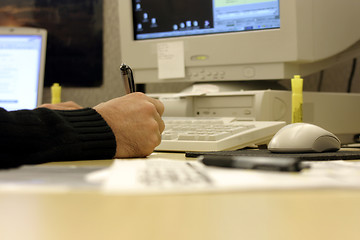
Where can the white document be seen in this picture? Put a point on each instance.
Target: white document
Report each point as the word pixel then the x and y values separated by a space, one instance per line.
pixel 156 176
pixel 164 176
pixel 171 61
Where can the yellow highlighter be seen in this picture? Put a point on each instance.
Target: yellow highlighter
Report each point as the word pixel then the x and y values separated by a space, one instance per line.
pixel 297 99
pixel 55 93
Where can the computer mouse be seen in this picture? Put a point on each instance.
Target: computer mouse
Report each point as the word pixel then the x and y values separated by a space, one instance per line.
pixel 302 138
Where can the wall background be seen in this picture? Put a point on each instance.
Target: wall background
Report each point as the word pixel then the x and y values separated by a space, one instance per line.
pixel 334 79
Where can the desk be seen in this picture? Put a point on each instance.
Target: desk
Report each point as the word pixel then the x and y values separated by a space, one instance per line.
pixel 87 215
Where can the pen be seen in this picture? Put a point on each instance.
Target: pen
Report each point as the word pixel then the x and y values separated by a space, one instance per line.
pixel 283 164
pixel 128 78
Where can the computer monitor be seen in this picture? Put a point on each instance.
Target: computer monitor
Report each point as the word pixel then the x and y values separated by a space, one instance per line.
pixel 22 62
pixel 167 41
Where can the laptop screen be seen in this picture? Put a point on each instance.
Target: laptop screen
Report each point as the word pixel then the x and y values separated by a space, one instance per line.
pixel 20 71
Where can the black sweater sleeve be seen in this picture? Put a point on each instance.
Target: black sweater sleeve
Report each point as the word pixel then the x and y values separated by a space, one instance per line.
pixel 43 135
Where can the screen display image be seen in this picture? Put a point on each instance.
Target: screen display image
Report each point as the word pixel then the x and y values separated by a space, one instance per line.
pixel 20 58
pixel 171 18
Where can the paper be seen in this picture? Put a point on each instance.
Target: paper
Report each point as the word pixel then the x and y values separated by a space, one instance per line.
pixel 164 176
pixel 156 175
pixel 48 178
pixel 171 63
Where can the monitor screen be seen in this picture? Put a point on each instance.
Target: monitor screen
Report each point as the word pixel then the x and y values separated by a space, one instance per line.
pixel 173 18
pixel 167 41
pixel 20 64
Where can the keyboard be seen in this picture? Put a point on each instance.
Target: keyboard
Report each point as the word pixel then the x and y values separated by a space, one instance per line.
pixel 183 134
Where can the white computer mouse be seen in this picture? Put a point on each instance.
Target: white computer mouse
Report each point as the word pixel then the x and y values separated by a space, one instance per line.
pixel 303 137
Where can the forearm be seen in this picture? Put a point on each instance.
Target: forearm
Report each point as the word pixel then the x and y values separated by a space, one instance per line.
pixel 44 135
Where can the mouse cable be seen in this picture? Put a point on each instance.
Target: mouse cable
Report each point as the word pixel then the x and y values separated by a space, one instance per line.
pixel 352 73
pixel 321 77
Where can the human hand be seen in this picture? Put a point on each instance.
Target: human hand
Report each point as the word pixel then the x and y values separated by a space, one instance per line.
pixel 70 105
pixel 136 122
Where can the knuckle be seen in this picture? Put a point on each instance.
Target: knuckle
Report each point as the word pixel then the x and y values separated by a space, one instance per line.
pixel 149 109
pixel 153 141
pixel 153 126
pixel 139 94
pixel 162 126
pixel 156 140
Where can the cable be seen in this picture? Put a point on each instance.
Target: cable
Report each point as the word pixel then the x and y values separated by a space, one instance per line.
pixel 321 77
pixel 352 73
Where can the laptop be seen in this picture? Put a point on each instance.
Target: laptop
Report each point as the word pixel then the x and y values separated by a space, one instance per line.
pixel 22 67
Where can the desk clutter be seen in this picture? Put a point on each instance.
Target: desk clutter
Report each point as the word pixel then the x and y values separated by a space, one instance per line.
pixel 173 174
pixel 168 176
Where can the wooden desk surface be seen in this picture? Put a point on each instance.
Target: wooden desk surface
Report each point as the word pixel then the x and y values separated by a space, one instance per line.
pixel 290 215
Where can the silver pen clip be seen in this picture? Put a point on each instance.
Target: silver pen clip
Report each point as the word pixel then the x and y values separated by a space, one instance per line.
pixel 128 78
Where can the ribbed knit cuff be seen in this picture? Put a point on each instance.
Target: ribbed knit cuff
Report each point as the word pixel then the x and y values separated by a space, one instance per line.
pixel 97 140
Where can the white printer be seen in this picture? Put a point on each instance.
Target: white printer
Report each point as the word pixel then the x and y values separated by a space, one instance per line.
pixel 337 112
